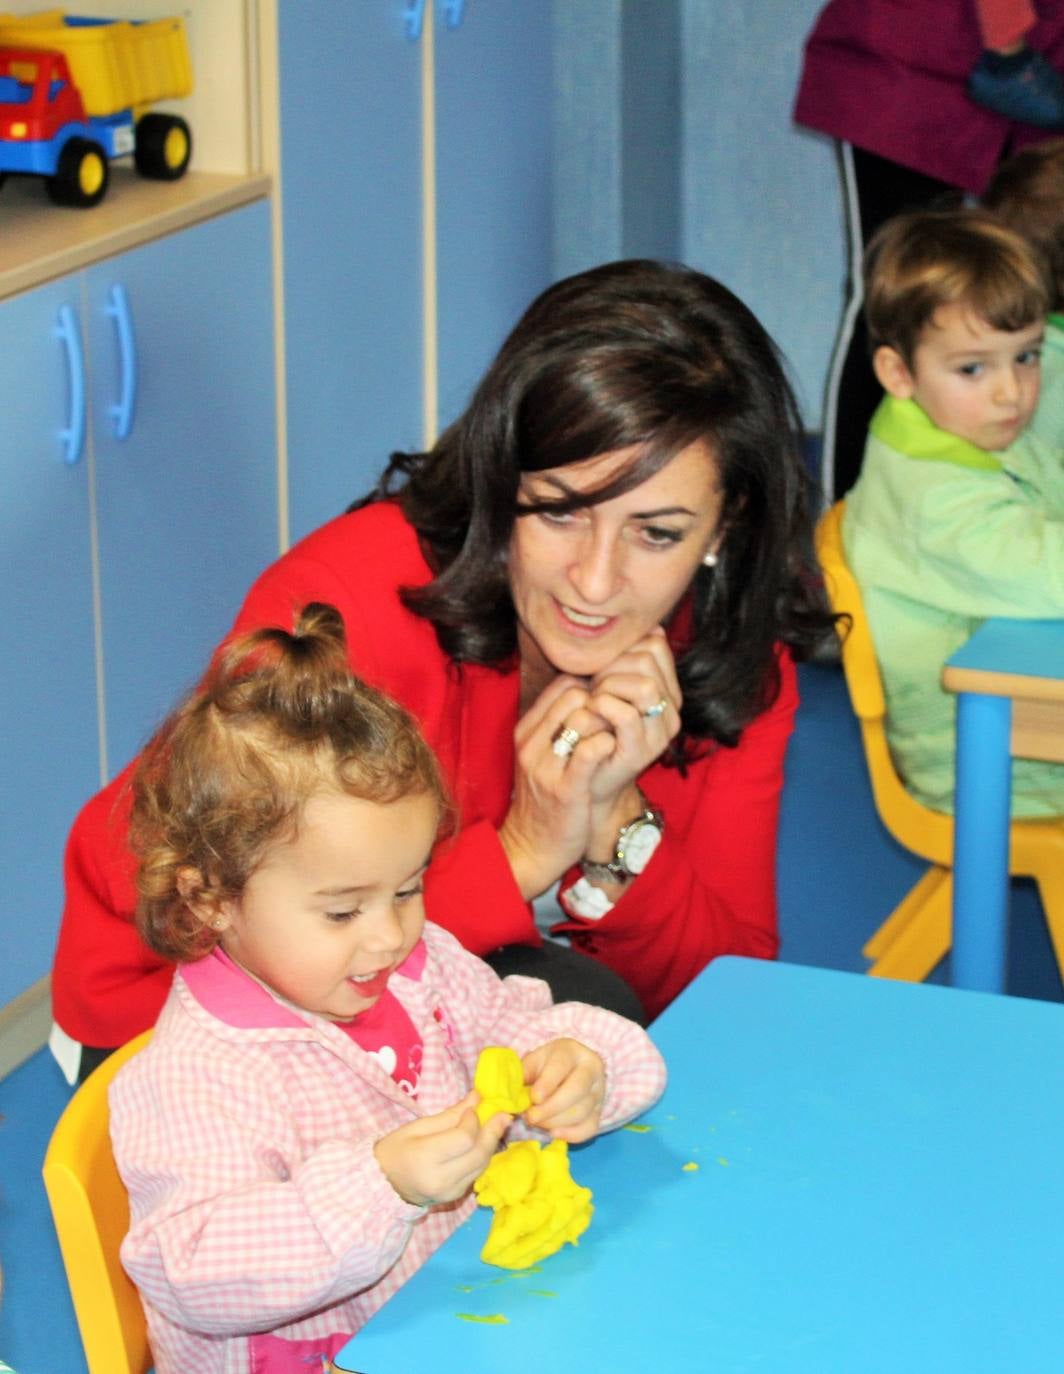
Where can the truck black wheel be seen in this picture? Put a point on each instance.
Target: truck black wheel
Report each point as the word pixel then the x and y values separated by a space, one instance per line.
pixel 81 175
pixel 163 146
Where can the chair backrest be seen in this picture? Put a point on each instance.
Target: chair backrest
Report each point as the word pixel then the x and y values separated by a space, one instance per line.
pixel 90 1209
pixel 927 833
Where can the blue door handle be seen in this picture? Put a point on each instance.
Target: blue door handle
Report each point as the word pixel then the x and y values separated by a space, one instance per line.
pixel 414 18
pixel 122 410
pixel 73 436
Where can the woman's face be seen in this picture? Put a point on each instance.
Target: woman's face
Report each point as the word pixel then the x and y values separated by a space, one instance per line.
pixel 588 584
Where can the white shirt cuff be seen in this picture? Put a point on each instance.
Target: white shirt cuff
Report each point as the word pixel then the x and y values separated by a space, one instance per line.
pixel 585 900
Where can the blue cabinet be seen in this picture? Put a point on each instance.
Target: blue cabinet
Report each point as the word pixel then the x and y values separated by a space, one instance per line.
pixel 387 320
pixel 187 503
pixel 350 83
pixel 493 82
pixel 49 756
pixel 118 572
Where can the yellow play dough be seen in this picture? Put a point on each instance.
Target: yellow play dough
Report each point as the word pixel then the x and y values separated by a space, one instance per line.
pixel 500 1080
pixel 538 1207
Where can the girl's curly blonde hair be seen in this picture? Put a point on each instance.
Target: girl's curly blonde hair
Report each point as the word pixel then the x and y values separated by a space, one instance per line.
pixel 278 718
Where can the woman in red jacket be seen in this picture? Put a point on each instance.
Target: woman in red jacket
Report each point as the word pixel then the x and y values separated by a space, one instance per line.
pixel 587 593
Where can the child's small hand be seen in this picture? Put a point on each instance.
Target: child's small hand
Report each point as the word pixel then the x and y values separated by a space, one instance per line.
pixel 567 1082
pixel 436 1158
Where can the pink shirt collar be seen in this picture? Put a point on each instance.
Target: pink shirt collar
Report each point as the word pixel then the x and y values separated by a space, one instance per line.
pixel 233 996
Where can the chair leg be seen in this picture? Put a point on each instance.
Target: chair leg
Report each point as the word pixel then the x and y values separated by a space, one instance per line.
pixel 915 950
pixel 907 910
pixel 1051 892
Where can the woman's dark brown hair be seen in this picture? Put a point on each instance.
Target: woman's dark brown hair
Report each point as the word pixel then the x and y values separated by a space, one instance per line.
pixel 654 357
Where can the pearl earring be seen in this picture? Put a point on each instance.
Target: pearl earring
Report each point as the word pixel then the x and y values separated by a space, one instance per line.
pixel 710 560
pixel 218 923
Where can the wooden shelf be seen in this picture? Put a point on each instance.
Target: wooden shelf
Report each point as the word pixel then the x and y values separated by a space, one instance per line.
pixel 40 241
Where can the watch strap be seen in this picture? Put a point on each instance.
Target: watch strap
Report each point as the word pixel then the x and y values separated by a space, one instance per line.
pixel 616 871
pixel 604 873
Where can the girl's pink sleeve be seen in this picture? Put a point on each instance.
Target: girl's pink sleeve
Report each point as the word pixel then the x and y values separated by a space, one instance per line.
pixel 224 1239
pixel 518 1012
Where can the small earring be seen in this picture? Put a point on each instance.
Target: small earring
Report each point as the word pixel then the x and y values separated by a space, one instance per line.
pixel 218 923
pixel 710 560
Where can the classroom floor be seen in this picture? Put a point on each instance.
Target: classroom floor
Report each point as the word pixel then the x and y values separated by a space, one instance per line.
pixel 840 876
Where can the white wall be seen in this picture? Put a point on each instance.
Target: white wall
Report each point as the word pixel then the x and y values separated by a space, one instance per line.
pixel 761 205
pixel 691 100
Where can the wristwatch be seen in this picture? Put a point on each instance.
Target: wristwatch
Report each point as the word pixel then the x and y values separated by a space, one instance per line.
pixel 636 842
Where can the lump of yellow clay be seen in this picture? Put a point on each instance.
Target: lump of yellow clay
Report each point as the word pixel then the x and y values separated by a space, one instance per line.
pixel 500 1080
pixel 538 1207
pixel 510 1176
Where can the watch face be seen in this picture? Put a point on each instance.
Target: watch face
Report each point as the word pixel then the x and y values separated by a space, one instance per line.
pixel 639 845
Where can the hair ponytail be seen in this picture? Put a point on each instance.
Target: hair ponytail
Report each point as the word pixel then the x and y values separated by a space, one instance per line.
pixel 278 717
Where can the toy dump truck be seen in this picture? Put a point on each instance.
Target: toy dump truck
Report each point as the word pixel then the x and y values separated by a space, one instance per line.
pixel 74 94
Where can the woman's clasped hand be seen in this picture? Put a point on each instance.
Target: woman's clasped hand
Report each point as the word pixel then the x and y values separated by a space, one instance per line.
pixel 580 748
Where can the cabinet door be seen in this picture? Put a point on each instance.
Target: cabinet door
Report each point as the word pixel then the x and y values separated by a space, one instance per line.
pixel 493 182
pixel 350 99
pixel 48 712
pixel 187 503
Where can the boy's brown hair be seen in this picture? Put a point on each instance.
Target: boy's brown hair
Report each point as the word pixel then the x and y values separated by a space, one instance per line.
pixel 1027 193
pixel 279 718
pixel 925 259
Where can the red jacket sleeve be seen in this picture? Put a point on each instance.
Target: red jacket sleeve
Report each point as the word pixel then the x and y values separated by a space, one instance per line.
pixel 107 985
pixel 710 888
pixel 471 891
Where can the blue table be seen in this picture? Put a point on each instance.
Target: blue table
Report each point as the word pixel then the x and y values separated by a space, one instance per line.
pixel 1010 680
pixel 846 1175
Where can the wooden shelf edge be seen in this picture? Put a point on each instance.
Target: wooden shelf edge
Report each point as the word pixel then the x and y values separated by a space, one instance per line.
pixel 40 241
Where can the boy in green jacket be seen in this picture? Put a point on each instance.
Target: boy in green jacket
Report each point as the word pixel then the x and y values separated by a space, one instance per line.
pixel 952 520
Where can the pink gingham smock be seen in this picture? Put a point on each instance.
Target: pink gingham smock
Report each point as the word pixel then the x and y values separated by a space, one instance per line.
pixel 244 1133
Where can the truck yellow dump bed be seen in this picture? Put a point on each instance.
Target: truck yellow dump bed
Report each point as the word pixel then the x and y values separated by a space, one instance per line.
pixel 114 64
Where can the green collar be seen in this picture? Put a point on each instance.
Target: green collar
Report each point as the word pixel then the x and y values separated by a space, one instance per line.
pixel 902 425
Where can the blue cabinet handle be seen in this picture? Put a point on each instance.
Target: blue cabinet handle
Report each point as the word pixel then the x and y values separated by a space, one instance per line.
pixel 122 411
pixel 414 18
pixel 452 12
pixel 73 437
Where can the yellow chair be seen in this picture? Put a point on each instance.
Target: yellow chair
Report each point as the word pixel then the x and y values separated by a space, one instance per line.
pixel 90 1209
pixel 918 933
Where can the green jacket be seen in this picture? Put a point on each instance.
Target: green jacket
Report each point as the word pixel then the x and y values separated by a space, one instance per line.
pixel 941 535
pixel 1047 424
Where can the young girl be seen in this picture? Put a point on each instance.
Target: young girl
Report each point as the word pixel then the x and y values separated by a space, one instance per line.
pixel 300 1134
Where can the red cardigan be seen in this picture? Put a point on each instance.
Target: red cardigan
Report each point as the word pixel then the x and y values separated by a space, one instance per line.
pixel 709 889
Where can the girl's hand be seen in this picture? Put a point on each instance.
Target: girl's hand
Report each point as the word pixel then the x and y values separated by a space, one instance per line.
pixel 567 1083
pixel 546 828
pixel 436 1158
pixel 643 679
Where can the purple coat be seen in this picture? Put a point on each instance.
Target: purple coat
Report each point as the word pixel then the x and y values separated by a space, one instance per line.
pixel 889 76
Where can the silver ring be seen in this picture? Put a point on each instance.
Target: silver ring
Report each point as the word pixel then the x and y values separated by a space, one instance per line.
pixel 658 709
pixel 565 741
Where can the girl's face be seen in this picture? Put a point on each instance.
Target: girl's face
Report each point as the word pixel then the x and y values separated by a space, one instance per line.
pixel 588 584
pixel 329 915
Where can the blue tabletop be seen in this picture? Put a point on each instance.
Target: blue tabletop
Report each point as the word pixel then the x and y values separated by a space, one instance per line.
pixel 1031 648
pixel 845 1174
